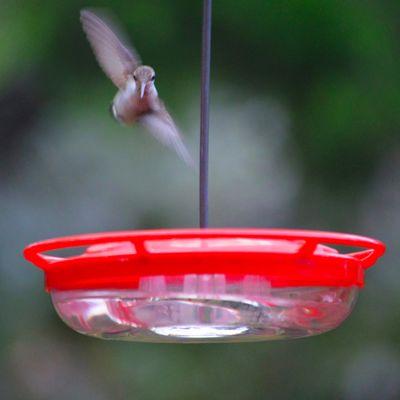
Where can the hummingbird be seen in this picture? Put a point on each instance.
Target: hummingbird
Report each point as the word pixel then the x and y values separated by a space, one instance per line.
pixel 137 98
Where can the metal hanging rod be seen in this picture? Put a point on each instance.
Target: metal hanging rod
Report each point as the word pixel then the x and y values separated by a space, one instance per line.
pixel 205 111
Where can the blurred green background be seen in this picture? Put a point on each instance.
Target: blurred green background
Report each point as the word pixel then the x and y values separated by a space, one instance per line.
pixel 304 134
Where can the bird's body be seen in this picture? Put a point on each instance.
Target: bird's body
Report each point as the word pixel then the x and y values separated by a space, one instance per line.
pixel 137 99
pixel 128 106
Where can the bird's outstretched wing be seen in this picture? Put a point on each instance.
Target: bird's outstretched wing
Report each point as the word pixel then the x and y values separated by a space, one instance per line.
pixel 115 56
pixel 161 125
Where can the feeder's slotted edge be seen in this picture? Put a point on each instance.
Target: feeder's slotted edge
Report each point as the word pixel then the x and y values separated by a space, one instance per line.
pixel 286 257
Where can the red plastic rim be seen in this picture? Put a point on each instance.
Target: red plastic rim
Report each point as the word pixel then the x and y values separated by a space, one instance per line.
pixel 286 258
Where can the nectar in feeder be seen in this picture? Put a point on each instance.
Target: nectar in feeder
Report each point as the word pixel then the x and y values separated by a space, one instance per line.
pixel 205 284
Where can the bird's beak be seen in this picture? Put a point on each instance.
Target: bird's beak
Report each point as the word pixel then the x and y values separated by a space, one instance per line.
pixel 142 88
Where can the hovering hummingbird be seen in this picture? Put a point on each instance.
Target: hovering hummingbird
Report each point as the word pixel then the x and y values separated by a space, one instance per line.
pixel 137 98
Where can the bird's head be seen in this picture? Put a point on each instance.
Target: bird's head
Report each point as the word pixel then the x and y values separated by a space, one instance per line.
pixel 144 77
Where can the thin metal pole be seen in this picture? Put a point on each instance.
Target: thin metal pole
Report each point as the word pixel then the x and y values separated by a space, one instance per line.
pixel 205 111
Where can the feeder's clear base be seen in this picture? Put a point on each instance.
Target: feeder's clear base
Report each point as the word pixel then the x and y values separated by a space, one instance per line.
pixel 205 308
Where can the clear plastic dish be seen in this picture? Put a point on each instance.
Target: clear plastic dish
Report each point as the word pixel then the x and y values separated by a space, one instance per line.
pixel 195 308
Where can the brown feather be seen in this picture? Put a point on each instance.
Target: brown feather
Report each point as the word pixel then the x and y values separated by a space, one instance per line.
pixel 161 125
pixel 115 56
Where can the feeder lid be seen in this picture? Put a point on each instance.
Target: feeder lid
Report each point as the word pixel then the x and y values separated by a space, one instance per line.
pixel 286 258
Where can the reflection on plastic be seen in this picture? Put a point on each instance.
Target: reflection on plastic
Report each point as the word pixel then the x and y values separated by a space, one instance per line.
pixel 208 307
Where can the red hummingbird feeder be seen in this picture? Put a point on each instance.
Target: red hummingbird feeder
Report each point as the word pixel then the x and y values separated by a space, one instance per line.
pixel 204 285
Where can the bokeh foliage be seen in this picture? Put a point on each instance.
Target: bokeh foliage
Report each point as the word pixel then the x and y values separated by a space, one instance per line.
pixel 332 66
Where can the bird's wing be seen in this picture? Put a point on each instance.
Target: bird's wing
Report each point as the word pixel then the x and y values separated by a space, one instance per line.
pixel 115 56
pixel 161 125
